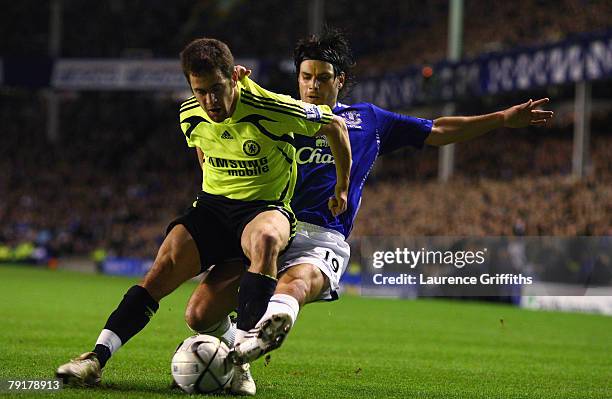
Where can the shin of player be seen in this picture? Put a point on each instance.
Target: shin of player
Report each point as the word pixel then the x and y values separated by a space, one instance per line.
pixel 262 241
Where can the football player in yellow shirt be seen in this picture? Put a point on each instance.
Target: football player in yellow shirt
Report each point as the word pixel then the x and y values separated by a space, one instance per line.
pixel 242 212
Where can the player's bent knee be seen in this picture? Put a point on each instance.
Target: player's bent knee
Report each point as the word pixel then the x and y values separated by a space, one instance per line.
pixel 196 318
pixel 267 241
pixel 271 238
pixel 200 315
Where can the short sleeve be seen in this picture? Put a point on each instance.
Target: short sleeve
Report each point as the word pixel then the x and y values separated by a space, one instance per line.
pixel 397 131
pixel 315 116
pixel 298 116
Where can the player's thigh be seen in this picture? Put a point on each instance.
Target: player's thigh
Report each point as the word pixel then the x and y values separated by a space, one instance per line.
pixel 305 282
pixel 177 261
pixel 321 248
pixel 215 296
pixel 269 230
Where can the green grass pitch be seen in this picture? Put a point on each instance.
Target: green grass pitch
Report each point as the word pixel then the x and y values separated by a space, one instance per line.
pixel 354 348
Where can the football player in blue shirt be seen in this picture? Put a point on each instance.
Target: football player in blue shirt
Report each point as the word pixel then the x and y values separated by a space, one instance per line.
pixel 311 268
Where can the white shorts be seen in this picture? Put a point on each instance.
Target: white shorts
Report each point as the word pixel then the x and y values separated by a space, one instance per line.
pixel 321 247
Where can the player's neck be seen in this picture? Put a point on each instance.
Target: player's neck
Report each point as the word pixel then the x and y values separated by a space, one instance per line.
pixel 234 102
pixel 332 104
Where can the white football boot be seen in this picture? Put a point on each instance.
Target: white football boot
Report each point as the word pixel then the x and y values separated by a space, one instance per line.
pixel 85 371
pixel 267 336
pixel 242 381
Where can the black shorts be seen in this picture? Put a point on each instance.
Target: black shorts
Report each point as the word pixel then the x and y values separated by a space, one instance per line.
pixel 216 224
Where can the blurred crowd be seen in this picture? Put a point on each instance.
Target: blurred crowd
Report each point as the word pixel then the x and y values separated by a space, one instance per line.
pixel 555 205
pixel 121 171
pixel 504 154
pixel 385 35
pixel 487 26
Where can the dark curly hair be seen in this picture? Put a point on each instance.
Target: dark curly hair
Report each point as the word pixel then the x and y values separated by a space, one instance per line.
pixel 331 46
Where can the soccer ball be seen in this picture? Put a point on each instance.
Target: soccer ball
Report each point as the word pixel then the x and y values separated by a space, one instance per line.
pixel 200 365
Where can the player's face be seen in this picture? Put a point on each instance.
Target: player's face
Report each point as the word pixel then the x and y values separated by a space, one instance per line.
pixel 215 93
pixel 318 84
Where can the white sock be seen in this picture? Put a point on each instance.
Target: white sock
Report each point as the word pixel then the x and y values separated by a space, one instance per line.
pixel 282 303
pixel 110 340
pixel 230 335
pixel 225 330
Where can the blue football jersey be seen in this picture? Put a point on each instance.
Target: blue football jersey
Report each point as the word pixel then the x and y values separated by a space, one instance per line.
pixel 373 131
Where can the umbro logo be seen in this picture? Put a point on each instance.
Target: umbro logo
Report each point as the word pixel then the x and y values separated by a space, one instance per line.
pixel 226 135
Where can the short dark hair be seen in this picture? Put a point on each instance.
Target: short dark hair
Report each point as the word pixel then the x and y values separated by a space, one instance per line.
pixel 331 46
pixel 203 56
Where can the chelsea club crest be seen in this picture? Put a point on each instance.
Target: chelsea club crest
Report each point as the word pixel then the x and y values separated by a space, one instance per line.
pixel 251 148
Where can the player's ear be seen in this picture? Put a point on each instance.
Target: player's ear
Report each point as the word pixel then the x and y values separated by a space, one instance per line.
pixel 341 79
pixel 234 77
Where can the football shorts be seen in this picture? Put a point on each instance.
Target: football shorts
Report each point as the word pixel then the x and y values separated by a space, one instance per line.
pixel 216 224
pixel 324 248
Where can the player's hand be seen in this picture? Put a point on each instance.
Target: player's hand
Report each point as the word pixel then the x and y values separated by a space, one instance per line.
pixel 242 71
pixel 337 203
pixel 526 114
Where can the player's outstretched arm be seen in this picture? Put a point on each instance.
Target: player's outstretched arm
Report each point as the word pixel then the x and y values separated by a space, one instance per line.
pixel 454 129
pixel 337 136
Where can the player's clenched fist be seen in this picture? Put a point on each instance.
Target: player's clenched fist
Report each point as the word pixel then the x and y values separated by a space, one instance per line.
pixel 337 203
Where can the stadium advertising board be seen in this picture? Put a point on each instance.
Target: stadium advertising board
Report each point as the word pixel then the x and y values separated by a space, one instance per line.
pixel 126 266
pixel 557 64
pixel 87 74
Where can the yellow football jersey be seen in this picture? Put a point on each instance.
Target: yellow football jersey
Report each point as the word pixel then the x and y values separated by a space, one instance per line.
pixel 251 155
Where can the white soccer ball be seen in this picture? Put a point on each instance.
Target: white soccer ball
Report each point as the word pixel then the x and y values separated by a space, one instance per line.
pixel 200 365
